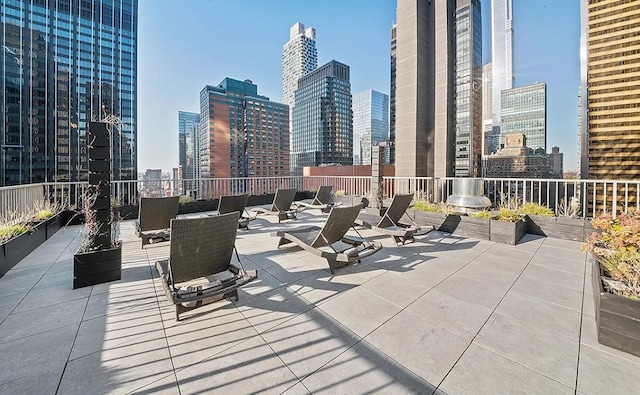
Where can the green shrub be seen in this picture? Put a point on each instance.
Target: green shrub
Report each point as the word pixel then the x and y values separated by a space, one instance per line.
pixel 482 214
pixel 340 192
pixel 506 215
pixel 536 209
pixel 185 199
pixel 43 215
pixel 8 232
pixel 426 206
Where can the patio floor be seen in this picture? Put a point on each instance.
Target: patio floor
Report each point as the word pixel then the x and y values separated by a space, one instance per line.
pixel 444 314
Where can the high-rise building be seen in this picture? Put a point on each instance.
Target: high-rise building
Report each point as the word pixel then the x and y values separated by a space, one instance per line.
pixel 491 140
pixel 468 89
pixel 583 119
pixel 391 150
pixel 299 57
pixel 370 123
pixel 517 160
pixel 501 54
pixel 242 134
pixel 63 64
pixel 188 125
pixel 425 88
pixel 322 118
pixel 524 110
pixel 613 89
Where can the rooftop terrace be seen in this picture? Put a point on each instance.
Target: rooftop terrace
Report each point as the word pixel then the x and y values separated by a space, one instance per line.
pixel 444 314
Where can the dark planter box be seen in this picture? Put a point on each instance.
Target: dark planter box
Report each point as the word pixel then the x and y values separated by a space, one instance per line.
pixel 376 211
pixel 101 203
pixel 478 228
pixel 304 195
pixel 97 178
pixel 19 247
pixel 97 267
pixel 617 317
pixel 351 200
pixel 198 206
pixel 99 166
pixel 72 218
pixel 437 220
pixel 53 224
pixel 128 212
pixel 98 134
pixel 259 200
pixel 100 153
pixel 556 227
pixel 507 232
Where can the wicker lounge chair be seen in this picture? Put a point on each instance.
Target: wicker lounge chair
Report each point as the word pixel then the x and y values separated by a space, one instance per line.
pixel 330 242
pixel 390 224
pixel 154 218
pixel 281 205
pixel 199 266
pixel 322 200
pixel 231 203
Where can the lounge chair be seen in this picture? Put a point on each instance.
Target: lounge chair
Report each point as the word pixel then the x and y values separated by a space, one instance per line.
pixel 154 218
pixel 281 205
pixel 390 224
pixel 330 242
pixel 231 203
pixel 322 201
pixel 199 266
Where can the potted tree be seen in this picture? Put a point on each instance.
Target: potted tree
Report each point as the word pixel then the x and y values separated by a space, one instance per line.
pixel 616 279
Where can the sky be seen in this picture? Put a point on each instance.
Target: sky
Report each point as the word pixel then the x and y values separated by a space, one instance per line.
pixel 187 44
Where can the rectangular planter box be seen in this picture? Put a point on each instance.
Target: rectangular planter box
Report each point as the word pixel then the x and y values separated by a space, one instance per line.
pixel 478 228
pixel 101 203
pixel 617 317
pixel 198 206
pixel 437 220
pixel 99 166
pixel 19 247
pixel 304 195
pixel 258 200
pixel 556 227
pixel 97 178
pixel 52 225
pixel 507 232
pixel 97 267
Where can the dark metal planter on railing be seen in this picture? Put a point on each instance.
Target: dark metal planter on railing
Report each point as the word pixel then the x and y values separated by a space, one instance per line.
pixel 617 317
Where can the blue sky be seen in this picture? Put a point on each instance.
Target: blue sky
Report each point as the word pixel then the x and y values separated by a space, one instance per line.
pixel 187 44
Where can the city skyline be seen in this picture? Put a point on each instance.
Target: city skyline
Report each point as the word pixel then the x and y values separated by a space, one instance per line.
pixel 258 57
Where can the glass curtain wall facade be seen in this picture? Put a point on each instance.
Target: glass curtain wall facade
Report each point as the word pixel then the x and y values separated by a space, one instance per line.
pixel 501 53
pixel 468 89
pixel 370 123
pixel 322 119
pixel 188 123
pixel 524 110
pixel 63 64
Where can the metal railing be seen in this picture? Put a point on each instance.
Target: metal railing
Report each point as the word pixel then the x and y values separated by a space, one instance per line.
pixel 582 198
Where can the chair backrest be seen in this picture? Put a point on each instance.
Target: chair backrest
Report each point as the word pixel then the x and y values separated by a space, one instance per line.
pixel 157 213
pixel 323 196
pixel 399 205
pixel 283 199
pixel 231 203
pixel 202 246
pixel 338 223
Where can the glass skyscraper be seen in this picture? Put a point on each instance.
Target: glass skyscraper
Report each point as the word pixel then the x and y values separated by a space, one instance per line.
pixel 65 63
pixel 322 119
pixel 188 127
pixel 501 53
pixel 524 110
pixel 370 123
pixel 468 89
